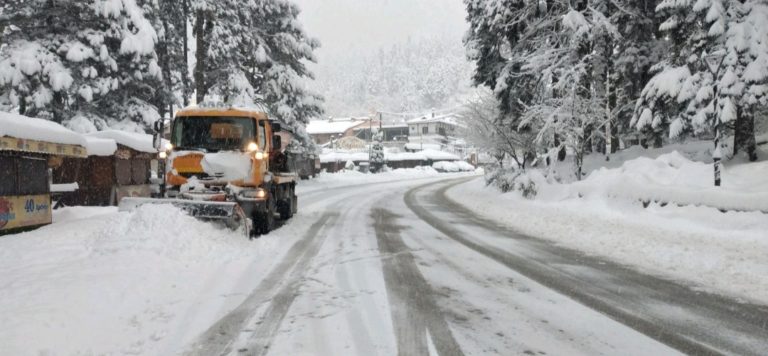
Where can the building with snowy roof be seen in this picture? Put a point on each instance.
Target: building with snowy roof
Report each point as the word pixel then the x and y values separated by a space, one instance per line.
pixel 28 147
pixel 322 131
pixel 119 164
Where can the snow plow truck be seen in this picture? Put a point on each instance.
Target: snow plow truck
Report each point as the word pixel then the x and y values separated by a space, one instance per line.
pixel 225 164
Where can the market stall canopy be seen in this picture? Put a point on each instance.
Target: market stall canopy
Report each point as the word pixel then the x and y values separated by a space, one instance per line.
pixel 137 141
pixel 26 134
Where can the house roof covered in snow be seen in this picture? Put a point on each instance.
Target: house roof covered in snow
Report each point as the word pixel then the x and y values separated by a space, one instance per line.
pixel 332 126
pixel 419 146
pixel 29 128
pixel 137 141
pixel 27 134
pixel 447 119
pixel 100 146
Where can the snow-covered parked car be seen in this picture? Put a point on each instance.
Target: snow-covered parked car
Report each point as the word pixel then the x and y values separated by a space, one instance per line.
pixel 453 166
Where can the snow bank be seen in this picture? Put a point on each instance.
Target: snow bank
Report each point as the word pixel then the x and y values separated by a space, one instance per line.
pixel 719 252
pixel 18 126
pixel 439 155
pixel 101 282
pixel 670 178
pixel 137 141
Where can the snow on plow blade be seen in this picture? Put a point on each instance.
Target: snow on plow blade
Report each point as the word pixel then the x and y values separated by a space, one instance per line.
pixel 198 209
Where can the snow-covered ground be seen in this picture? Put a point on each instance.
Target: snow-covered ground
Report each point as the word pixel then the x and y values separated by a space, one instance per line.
pixel 102 282
pixel 604 215
pixel 147 282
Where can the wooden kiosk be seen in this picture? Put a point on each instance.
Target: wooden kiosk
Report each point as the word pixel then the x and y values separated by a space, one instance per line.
pixel 28 147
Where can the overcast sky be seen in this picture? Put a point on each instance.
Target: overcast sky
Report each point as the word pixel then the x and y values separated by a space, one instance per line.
pixel 345 26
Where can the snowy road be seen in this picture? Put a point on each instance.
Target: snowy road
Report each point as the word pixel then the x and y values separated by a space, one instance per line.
pixel 366 268
pixel 399 268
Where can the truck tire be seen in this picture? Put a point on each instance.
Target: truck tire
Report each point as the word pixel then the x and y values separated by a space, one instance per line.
pixel 264 222
pixel 287 208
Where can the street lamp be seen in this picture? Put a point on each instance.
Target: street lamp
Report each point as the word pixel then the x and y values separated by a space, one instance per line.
pixel 714 63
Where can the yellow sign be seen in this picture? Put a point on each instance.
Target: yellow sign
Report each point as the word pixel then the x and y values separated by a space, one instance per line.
pixel 23 211
pixel 190 163
pixel 22 145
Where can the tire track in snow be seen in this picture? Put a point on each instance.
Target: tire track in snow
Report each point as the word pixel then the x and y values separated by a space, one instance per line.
pixel 414 310
pixel 693 322
pixel 268 324
pixel 218 339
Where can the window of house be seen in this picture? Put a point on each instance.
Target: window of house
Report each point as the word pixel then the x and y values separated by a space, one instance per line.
pixel 8 176
pixel 140 171
pixel 123 171
pixel 33 175
pixel 425 130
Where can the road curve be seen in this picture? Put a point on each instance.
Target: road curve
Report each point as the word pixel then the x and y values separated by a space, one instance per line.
pixel 397 268
pixel 691 321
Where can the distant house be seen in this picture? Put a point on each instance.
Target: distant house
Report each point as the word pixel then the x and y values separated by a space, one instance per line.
pixel 395 128
pixel 322 131
pixel 432 129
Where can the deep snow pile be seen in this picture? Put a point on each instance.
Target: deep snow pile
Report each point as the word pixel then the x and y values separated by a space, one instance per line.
pixel 102 282
pixel 604 215
pixel 670 178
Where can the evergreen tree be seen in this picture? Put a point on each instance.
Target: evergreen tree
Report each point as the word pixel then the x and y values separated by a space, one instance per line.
pixel 255 53
pixel 88 64
pixel 684 92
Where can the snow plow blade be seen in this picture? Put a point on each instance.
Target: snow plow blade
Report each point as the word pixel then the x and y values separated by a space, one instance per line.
pixel 198 209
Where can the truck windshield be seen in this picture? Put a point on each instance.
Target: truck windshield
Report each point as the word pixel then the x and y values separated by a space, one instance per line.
pixel 212 133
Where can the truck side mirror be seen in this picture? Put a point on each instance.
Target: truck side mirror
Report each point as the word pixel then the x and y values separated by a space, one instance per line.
pixel 277 143
pixel 159 125
pixel 157 141
pixel 276 127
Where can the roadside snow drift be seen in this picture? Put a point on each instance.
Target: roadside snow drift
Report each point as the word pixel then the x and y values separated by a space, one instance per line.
pixel 102 282
pixel 603 215
pixel 672 178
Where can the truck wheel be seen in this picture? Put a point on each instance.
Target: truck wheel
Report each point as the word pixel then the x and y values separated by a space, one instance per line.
pixel 287 207
pixel 264 222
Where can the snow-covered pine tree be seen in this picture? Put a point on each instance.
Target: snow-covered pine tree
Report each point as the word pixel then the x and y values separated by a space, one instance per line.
pixel 89 64
pixel 640 48
pixel 256 52
pixel 170 19
pixel 501 35
pixel 683 92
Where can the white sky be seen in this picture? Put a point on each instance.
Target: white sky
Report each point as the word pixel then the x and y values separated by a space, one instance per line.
pixel 345 26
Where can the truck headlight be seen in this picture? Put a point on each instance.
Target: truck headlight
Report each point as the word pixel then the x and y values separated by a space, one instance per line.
pixel 259 155
pixel 162 155
pixel 252 147
pixel 257 193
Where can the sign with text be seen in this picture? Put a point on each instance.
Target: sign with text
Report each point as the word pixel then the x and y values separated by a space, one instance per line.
pixel 24 211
